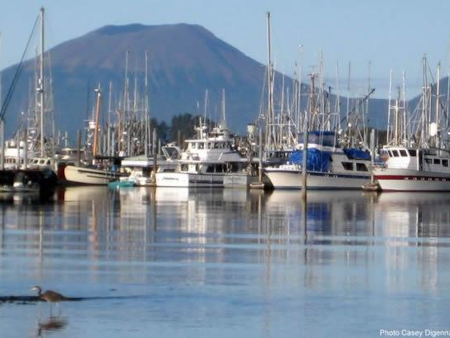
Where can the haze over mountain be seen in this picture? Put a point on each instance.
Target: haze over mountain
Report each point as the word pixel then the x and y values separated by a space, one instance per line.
pixel 184 61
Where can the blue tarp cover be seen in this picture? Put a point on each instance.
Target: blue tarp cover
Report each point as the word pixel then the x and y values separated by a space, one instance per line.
pixel 317 160
pixel 357 154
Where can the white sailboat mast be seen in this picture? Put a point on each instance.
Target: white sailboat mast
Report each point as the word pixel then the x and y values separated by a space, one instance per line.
pixel 97 121
pixel 406 132
pixel 448 88
pixel 41 85
pixel 147 109
pixel 109 152
pixel 424 101
pixel 348 94
pixel 338 100
pixel 438 77
pixel 269 118
pixel 388 131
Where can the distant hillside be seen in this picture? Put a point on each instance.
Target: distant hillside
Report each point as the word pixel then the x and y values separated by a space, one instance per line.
pixel 184 61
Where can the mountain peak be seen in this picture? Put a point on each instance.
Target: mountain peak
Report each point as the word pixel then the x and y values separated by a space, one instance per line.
pixel 183 61
pixel 110 30
pixel 121 29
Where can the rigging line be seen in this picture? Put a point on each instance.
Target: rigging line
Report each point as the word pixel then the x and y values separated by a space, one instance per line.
pixel 360 102
pixel 16 75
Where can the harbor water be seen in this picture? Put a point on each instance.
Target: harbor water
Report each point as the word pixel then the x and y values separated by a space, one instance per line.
pixel 171 262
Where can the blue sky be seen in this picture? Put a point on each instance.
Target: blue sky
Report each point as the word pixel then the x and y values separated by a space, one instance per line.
pixel 390 34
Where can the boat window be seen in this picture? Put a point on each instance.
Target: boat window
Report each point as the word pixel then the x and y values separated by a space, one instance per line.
pixel 361 167
pixel 428 160
pixel 445 163
pixel 210 169
pixel 390 153
pixel 437 161
pixel 184 167
pixel 403 153
pixel 347 165
pixel 412 152
pixel 200 146
pixel 395 152
pixel 193 145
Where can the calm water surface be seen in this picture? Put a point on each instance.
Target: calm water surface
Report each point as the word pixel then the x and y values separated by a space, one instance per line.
pixel 225 263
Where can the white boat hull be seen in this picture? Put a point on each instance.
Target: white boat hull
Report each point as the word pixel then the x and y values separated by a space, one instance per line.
pixel 411 180
pixel 292 179
pixel 91 176
pixel 178 179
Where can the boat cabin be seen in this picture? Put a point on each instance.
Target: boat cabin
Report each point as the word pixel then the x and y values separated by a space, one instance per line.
pixel 435 160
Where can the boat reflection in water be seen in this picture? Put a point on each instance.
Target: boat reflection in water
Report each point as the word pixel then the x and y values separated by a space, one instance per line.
pixel 420 221
pixel 250 260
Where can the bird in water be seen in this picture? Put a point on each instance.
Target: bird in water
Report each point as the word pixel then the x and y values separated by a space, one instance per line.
pixel 49 295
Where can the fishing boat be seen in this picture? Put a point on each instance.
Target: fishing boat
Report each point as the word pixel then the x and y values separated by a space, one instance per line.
pixel 210 160
pixel 100 172
pixel 141 168
pixel 416 158
pixel 88 175
pixel 328 166
pixel 412 169
pixel 27 181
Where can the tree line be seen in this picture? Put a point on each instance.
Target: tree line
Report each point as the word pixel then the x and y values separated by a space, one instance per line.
pixel 181 127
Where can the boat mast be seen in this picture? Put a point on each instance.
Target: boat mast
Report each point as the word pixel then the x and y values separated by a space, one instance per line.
pixel 366 115
pixel 348 97
pixel 406 132
pixel 41 85
pixel 424 100
pixel 97 119
pixel 388 131
pixel 438 76
pixel 206 108
pixel 300 48
pixel 269 118
pixel 224 119
pixel 108 133
pixel 146 110
pixel 448 89
pixel 338 100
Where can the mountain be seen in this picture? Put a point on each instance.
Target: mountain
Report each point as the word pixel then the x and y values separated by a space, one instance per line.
pixel 184 61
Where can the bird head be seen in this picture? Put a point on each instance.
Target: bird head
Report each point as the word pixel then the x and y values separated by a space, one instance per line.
pixel 36 288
